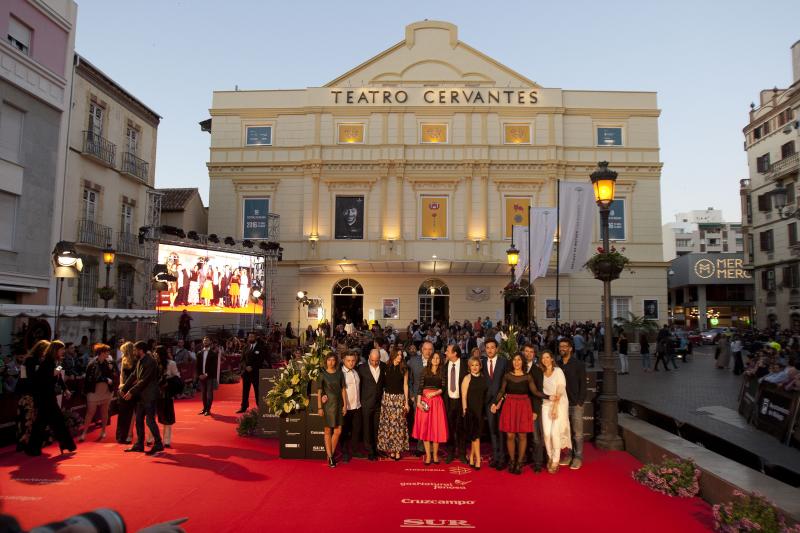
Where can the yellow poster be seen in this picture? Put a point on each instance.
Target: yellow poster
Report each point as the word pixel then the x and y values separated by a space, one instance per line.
pixel 516 213
pixel 434 217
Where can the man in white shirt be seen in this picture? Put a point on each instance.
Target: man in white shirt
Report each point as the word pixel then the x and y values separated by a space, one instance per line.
pixel 351 426
pixel 455 369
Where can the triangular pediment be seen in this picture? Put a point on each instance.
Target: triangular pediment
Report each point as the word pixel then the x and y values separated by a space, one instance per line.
pixel 431 54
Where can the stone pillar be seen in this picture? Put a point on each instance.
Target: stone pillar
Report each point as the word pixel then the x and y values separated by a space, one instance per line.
pixel 701 308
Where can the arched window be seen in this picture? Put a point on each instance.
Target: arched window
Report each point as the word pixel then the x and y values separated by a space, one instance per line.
pixel 434 301
pixel 348 302
pixel 347 287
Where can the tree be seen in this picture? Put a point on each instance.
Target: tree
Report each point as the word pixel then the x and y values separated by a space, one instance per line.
pixel 634 324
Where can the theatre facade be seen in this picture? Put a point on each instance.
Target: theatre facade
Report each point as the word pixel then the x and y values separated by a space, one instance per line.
pixel 398 183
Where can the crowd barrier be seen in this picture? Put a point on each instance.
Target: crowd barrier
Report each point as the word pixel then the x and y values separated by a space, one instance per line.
pixel 771 409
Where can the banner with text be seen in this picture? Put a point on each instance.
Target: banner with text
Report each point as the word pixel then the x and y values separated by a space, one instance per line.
pixel 577 217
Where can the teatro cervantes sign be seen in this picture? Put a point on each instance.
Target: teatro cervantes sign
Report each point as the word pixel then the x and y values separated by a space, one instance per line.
pixel 433 96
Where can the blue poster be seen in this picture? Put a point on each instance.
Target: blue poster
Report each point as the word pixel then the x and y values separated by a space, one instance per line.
pixel 616 221
pixel 259 135
pixel 256 211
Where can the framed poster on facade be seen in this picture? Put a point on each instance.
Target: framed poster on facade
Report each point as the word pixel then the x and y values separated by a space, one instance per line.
pixel 349 217
pixel 616 220
pixel 315 310
pixel 391 308
pixel 433 217
pixel 516 213
pixel 650 309
pixel 552 309
pixel 255 213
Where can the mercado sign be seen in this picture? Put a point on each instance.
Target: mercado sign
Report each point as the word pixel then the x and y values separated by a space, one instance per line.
pixel 726 268
pixel 427 96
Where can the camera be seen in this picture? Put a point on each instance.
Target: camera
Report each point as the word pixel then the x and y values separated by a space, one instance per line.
pixel 99 520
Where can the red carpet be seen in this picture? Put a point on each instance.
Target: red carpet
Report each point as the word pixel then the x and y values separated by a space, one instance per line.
pixel 223 482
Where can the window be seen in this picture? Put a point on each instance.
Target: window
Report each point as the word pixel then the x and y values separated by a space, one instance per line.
pixel 609 136
pixel 762 163
pixel 757 133
pixel 620 307
pixel 767 241
pixel 765 202
pixel 125 286
pixel 132 140
pixel 787 149
pixel 433 133
pixel 683 242
pixel 786 116
pixel 8 219
pixel 792 229
pixel 126 222
pixel 96 112
pixel 19 36
pixel 790 192
pixel 791 276
pixel 768 279
pixel 350 133
pixel 748 204
pixel 11 120
pixel 517 134
pixel 89 204
pixel 713 242
pixel 258 135
pixel 750 248
pixel 87 284
pixel 765 127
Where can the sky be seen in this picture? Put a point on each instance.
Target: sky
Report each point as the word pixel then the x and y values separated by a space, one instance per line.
pixel 706 59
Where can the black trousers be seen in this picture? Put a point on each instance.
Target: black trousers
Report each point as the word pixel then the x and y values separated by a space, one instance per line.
pixel 536 450
pixel 351 431
pixel 48 415
pixel 455 425
pixel 146 413
pixel 370 418
pixel 248 379
pixel 125 412
pixel 661 356
pixel 207 393
pixel 738 364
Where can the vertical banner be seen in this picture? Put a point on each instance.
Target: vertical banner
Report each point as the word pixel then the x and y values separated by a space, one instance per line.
pixel 433 210
pixel 254 223
pixel 516 214
pixel 616 220
pixel 522 242
pixel 577 218
pixel 543 231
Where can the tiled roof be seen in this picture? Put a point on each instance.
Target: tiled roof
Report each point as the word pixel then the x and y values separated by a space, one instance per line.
pixel 176 199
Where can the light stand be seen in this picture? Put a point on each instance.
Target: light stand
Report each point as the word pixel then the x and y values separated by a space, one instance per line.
pixel 108 259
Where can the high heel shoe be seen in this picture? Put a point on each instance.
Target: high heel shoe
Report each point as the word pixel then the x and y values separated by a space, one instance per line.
pixel 102 435
pixel 331 462
pixel 69 449
pixel 512 465
pixel 82 437
pixel 426 462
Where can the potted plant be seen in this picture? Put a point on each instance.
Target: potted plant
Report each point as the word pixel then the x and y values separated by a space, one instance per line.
pixel 673 477
pixel 290 392
pixel 750 513
pixel 512 292
pixel 607 265
pixel 106 293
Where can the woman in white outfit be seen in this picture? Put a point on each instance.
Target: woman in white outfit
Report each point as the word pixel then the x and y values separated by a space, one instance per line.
pixel 244 288
pixel 555 411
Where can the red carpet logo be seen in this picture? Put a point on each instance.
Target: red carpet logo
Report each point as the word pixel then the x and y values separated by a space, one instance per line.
pixel 460 470
pixel 437 523
pixel 437 485
pixel 438 502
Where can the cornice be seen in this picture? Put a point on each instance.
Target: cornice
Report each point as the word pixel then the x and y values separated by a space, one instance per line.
pixel 342 111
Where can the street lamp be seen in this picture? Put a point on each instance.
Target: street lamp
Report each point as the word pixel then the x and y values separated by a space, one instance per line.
pixel 512 257
pixel 780 197
pixel 604 182
pixel 108 259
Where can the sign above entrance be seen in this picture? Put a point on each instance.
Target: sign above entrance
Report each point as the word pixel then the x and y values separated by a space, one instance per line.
pixel 434 96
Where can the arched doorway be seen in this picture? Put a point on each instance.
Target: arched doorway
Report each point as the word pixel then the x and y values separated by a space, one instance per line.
pixel 521 305
pixel 348 302
pixel 434 301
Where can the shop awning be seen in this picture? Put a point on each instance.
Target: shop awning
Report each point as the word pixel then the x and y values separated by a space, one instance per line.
pixel 69 311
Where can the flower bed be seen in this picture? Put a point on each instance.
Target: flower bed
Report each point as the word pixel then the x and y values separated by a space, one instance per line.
pixel 673 477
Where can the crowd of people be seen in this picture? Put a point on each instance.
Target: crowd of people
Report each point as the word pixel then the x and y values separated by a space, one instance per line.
pixel 769 356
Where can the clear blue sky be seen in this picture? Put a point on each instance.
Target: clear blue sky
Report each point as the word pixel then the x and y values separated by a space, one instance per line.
pixel 707 59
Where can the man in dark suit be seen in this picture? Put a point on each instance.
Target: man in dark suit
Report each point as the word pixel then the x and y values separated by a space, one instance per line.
pixel 252 359
pixel 455 368
pixel 494 368
pixel 373 376
pixel 536 445
pixel 142 387
pixel 207 363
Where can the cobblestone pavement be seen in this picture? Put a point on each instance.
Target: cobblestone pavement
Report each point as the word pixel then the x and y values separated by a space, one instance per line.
pixel 701 395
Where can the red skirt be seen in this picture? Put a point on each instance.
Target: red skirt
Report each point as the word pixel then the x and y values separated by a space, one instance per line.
pixel 430 425
pixel 517 415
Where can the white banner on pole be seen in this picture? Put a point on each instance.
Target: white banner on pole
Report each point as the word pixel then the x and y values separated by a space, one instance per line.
pixel 520 240
pixel 543 230
pixel 577 220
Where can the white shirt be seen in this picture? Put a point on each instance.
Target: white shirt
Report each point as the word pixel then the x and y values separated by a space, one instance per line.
pixel 451 393
pixel 491 363
pixel 376 372
pixel 205 357
pixel 384 356
pixel 352 383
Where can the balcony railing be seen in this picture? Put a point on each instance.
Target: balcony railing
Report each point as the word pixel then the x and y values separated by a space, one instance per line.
pixel 93 234
pixel 99 148
pixel 790 163
pixel 128 244
pixel 134 166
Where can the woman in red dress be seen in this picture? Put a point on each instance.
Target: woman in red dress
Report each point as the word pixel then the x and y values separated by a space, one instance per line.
pixel 516 419
pixel 430 421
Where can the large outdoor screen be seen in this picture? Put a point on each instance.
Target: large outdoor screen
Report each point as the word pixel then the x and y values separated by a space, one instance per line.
pixel 209 281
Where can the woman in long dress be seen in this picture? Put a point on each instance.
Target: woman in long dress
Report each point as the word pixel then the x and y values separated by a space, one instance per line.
pixel 233 290
pixel 125 407
pixel 26 412
pixel 48 412
pixel 194 286
pixel 392 426
pixel 724 359
pixel 430 420
pixel 244 288
pixel 555 411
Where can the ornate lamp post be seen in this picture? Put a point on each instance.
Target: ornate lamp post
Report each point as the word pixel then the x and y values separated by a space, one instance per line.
pixel 512 256
pixel 302 300
pixel 604 182
pixel 107 291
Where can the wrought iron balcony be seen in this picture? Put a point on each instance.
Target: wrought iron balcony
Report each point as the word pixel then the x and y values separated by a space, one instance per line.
pixel 128 244
pixel 790 163
pixel 134 166
pixel 93 234
pixel 101 149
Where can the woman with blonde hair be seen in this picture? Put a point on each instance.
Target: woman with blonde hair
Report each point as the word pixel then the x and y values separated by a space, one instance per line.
pixel 26 412
pixel 99 384
pixel 125 407
pixel 474 389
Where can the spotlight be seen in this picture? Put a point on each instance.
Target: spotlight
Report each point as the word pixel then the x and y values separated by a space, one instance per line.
pixel 181 234
pixel 247 243
pixel 263 245
pixel 213 238
pixel 193 235
pixel 229 241
pixel 65 254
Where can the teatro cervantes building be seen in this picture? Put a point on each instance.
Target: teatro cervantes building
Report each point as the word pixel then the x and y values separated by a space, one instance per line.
pixel 398 182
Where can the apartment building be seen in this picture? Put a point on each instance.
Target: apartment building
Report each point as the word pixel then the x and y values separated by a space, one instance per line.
pixel 701 231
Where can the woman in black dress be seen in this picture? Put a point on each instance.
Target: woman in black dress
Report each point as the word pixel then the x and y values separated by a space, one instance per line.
pixel 473 399
pixel 125 407
pixel 165 408
pixel 516 419
pixel 331 403
pixel 26 412
pixel 48 413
